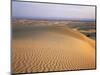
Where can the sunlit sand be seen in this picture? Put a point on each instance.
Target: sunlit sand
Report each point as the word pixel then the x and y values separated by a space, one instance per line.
pixel 51 48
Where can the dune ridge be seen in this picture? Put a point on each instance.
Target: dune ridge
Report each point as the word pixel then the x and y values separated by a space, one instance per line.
pixel 78 35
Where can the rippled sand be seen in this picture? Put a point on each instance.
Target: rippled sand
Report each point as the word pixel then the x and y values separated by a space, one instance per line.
pixel 51 48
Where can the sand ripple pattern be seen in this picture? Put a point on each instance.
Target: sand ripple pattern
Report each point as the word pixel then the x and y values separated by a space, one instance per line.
pixel 51 51
pixel 26 60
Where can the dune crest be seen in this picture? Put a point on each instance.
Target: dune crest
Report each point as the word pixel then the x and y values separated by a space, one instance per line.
pixel 78 35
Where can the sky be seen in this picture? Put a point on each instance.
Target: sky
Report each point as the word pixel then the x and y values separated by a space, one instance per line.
pixel 31 10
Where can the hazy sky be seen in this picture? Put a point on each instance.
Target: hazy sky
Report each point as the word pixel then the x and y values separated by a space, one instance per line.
pixel 51 11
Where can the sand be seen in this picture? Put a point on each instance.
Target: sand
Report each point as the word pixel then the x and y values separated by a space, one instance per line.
pixel 52 48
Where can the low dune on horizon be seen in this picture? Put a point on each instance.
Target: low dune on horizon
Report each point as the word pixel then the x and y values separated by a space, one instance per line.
pixel 51 48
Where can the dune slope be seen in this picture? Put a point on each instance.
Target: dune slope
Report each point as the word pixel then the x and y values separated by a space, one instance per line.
pixel 44 49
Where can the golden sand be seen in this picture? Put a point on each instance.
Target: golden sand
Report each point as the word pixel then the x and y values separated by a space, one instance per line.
pixel 63 49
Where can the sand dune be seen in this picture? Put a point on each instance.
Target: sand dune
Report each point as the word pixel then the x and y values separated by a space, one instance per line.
pixel 52 49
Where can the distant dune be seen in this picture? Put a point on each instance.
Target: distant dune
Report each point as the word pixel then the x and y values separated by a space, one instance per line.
pixel 51 48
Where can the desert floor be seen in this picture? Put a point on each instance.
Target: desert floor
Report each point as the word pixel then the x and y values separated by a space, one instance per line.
pixel 51 48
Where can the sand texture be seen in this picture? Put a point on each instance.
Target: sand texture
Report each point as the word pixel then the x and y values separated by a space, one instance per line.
pixel 51 48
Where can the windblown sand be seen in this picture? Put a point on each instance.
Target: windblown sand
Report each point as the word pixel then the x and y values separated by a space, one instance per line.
pixel 44 49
